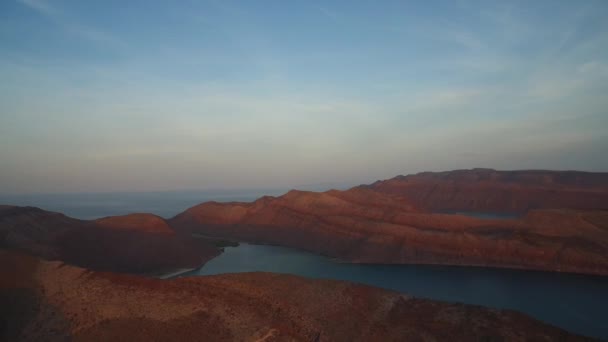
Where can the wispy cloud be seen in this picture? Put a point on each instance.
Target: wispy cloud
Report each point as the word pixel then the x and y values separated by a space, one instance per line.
pixel 594 68
pixel 360 96
pixel 328 13
pixel 41 6
pixel 63 19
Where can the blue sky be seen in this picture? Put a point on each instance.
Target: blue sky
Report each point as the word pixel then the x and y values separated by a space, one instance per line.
pixel 164 95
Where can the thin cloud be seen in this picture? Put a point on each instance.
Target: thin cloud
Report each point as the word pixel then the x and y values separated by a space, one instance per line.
pixel 328 13
pixel 594 68
pixel 41 6
pixel 61 18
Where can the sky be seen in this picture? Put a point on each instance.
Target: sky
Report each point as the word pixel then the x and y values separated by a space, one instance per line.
pixel 167 95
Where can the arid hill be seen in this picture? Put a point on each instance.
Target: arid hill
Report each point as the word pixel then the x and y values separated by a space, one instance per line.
pixel 363 225
pixel 489 190
pixel 138 243
pixel 51 301
pixel 380 223
pixel 147 223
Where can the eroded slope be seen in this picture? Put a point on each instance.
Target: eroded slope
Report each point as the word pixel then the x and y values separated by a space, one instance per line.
pixel 487 190
pixel 138 243
pixel 362 225
pixel 54 302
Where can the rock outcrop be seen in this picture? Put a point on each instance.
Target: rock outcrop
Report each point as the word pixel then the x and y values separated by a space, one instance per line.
pixel 51 301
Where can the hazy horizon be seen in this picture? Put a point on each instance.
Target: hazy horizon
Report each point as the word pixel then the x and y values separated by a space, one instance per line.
pixel 108 96
pixel 261 191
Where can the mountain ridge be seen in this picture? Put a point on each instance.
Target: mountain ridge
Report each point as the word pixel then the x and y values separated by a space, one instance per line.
pixel 363 224
pixel 371 225
pixel 129 243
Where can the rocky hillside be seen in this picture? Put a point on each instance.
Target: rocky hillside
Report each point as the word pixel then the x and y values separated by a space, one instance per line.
pixel 363 225
pixel 139 243
pixel 367 224
pixel 487 190
pixel 51 301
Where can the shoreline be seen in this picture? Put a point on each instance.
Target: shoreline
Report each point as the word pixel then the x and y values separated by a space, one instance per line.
pixel 175 273
pixel 490 266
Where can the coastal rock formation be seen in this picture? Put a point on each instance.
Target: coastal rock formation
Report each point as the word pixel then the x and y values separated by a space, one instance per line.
pixel 147 223
pixel 138 243
pixel 362 225
pixel 51 301
pixel 487 190
pixel 380 223
pixel 34 230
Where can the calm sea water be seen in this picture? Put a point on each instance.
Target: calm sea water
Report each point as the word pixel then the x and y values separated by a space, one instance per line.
pixel 574 302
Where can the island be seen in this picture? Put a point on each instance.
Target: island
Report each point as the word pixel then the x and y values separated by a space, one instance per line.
pixel 66 278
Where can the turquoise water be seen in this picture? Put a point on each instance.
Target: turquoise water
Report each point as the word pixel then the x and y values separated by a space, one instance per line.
pixel 574 302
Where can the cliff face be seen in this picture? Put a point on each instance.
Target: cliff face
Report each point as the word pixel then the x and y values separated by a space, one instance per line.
pixel 50 301
pixel 362 225
pixel 487 190
pixel 134 243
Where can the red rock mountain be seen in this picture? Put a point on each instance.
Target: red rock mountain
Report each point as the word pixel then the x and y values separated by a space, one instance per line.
pixel 489 190
pixel 147 223
pixel 565 228
pixel 367 226
pixel 386 222
pixel 137 243
pixel 51 301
